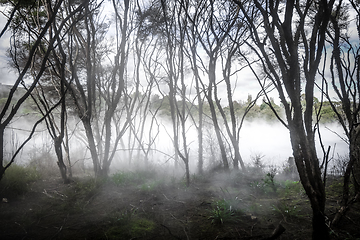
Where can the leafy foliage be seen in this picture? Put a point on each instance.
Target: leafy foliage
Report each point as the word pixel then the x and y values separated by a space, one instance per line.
pixel 128 225
pixel 81 193
pixel 222 212
pixel 138 177
pixel 290 188
pixel 225 210
pixel 286 210
pixel 17 179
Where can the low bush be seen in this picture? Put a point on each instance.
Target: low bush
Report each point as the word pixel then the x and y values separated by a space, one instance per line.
pixel 266 187
pixel 225 209
pixel 127 178
pixel 80 193
pixel 222 212
pixel 129 225
pixel 286 210
pixel 17 179
pixel 138 177
pixel 291 189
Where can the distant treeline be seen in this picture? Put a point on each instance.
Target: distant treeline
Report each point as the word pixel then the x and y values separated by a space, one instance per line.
pixel 260 110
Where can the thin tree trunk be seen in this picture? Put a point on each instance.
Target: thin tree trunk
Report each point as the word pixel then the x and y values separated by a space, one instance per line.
pixel 308 167
pixel 59 155
pixel 92 146
pixel 2 168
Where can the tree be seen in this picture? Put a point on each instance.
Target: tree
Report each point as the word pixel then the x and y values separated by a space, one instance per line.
pixel 192 56
pixel 53 86
pixel 147 61
pixel 174 68
pixel 25 61
pixel 100 89
pixel 289 38
pixel 219 38
pixel 344 69
pixel 210 34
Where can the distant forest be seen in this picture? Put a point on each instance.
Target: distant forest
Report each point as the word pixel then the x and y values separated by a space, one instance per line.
pixel 260 111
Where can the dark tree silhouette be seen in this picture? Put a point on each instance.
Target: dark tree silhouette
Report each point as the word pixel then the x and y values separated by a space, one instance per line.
pixel 289 38
pixel 344 69
pixel 24 63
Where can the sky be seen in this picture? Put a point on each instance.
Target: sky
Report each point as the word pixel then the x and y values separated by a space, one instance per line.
pixel 245 82
pixel 7 75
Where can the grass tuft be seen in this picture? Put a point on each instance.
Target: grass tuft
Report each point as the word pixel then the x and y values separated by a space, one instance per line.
pixel 128 225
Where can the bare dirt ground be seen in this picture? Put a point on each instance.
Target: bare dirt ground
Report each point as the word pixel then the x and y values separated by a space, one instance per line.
pixel 163 209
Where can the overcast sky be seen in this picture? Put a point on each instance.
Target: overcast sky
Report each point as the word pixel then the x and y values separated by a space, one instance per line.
pixel 245 82
pixel 7 76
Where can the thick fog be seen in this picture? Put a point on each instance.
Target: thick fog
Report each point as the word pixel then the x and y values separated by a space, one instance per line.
pixel 258 138
pixel 273 141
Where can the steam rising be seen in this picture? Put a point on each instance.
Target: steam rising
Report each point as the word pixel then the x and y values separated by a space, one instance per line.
pixel 257 138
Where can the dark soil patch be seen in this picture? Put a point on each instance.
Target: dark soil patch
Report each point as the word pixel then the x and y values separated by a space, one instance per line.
pixel 89 209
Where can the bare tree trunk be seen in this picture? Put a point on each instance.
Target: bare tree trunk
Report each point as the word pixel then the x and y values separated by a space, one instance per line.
pixel 200 122
pixel 345 80
pixel 99 92
pixel 92 146
pixel 200 132
pixel 215 120
pixel 67 152
pixel 294 79
pixel 2 169
pixel 8 114
pixel 175 24
pixel 212 33
pixel 310 177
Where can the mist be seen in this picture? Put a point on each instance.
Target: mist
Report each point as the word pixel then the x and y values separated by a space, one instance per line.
pixel 258 138
pixel 272 140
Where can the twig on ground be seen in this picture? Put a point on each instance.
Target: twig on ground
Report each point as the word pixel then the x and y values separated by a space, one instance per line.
pixel 187 237
pixel 61 228
pixel 166 197
pixel 170 232
pixel 47 194
pixel 21 227
pixel 276 233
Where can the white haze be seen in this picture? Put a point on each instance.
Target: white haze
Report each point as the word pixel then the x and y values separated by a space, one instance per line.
pixel 257 138
pixel 273 141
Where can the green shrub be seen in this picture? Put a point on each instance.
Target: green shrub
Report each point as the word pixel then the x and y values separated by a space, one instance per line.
pixel 335 188
pixel 286 209
pixel 17 178
pixel 222 212
pixel 151 185
pixel 138 177
pixel 269 181
pixel 127 178
pixel 88 188
pixel 291 189
pixel 128 225
pixel 267 186
pixel 225 210
pixel 80 193
pixel 258 166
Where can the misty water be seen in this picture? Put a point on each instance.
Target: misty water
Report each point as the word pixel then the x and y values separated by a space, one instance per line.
pixel 258 138
pixel 273 141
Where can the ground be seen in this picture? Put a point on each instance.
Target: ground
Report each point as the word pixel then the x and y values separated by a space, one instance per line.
pixel 141 206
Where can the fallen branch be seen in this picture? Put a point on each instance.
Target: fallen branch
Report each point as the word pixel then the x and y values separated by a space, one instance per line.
pixel 170 232
pixel 276 233
pixel 343 210
pixel 47 194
